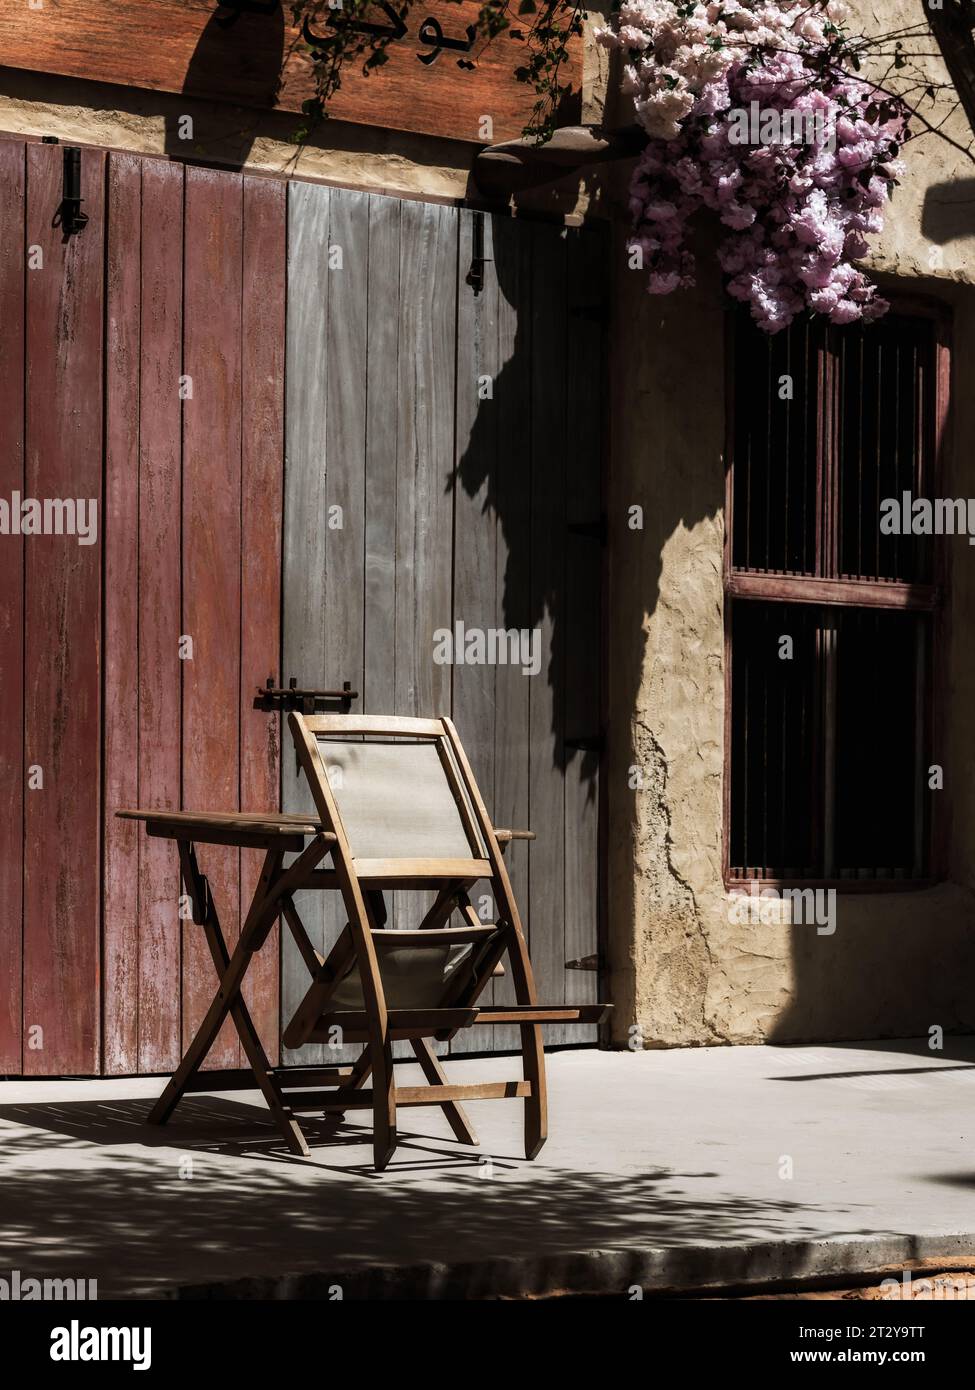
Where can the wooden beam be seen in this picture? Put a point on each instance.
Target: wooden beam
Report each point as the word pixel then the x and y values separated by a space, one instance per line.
pixel 411 1095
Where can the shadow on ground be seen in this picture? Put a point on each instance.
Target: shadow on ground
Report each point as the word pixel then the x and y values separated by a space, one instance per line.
pixel 144 1218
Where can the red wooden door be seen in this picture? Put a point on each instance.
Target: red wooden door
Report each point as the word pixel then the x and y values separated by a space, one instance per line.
pixel 140 365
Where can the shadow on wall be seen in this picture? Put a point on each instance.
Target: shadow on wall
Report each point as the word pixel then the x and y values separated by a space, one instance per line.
pixel 538 487
pixel 242 47
pixel 949 212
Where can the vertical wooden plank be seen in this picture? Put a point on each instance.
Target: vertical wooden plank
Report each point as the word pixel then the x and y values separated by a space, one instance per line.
pixel 211 554
pixel 262 405
pixel 345 462
pixel 63 624
pixel 382 375
pixel 120 924
pixel 159 590
pixel 12 763
pixel 427 309
pixel 305 521
pixel 345 436
pixel 549 616
pixel 582 611
pixel 513 601
pixel 424 466
pixel 480 389
pixel 382 425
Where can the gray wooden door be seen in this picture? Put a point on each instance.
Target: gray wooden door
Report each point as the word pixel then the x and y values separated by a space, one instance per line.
pixel 443 468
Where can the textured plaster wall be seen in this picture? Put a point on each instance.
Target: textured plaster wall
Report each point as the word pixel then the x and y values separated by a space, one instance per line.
pixel 681 972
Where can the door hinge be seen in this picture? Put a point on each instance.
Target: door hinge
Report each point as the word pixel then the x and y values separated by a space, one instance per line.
pixel 594 962
pixel 475 276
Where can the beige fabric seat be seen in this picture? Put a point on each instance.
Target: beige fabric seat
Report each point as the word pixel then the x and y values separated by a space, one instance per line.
pixel 414 977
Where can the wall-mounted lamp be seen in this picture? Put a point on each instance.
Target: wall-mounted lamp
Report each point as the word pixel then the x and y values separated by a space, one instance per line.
pixel 519 165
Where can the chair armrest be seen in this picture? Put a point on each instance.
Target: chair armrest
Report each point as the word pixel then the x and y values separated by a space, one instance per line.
pixel 504 837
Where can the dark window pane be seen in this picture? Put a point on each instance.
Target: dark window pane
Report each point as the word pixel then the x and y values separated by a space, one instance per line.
pixel 886 442
pixel 773 766
pixel 877 719
pixel 774 446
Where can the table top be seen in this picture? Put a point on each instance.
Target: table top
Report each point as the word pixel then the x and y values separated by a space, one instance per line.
pixel 229 827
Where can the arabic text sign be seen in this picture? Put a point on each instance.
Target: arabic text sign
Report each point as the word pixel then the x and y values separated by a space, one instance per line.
pixel 439 78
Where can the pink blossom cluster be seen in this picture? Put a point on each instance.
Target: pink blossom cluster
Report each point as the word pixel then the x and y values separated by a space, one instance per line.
pixel 797 211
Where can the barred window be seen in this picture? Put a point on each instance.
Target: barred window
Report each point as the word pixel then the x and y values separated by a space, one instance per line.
pixel 830 622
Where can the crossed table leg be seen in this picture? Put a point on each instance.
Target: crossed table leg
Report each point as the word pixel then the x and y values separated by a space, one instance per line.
pixel 231 969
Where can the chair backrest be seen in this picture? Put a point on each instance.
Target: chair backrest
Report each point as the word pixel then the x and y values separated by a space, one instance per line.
pixel 396 792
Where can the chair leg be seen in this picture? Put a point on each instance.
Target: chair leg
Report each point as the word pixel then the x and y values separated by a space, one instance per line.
pixel 536 1105
pixel 361 1069
pixel 383 1104
pixel 464 1131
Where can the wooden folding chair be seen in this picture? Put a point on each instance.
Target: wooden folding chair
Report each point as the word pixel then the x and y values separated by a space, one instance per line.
pixel 397 809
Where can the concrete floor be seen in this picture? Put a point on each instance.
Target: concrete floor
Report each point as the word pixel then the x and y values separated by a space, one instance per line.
pixel 664 1170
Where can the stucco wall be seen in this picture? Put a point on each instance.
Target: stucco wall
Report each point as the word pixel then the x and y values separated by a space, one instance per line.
pixel 681 972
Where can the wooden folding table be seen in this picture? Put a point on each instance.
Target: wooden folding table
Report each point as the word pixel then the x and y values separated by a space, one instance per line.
pixel 277 835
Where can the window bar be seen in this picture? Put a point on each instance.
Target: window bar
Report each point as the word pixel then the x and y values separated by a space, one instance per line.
pixel 806 402
pixel 769 414
pixel 877 461
pixel 765 762
pixel 896 413
pixel 832 461
pixel 920 768
pixel 860 379
pixel 920 477
pixel 784 781
pixel 745 842
pixel 876 699
pixel 828 633
pixel 748 487
pixel 821 428
pixel 789 405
